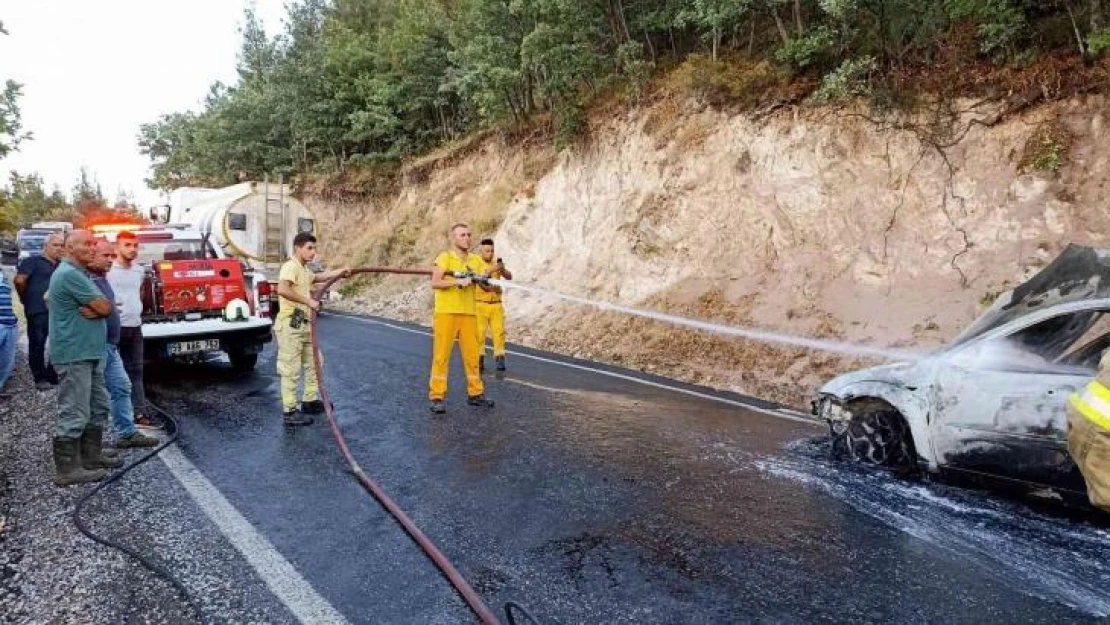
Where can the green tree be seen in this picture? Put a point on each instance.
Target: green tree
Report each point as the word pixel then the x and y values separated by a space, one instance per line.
pixel 486 72
pixel 169 143
pixel 715 18
pixel 87 192
pixel 363 81
pixel 11 118
pixel 24 201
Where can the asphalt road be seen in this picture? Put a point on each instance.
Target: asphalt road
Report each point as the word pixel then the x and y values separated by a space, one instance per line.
pixel 590 498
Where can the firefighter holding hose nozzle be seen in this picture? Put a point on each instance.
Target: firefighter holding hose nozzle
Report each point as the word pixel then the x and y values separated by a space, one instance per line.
pixel 293 331
pixel 453 279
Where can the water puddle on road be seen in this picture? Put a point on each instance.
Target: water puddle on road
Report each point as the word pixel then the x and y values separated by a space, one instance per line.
pixel 1048 557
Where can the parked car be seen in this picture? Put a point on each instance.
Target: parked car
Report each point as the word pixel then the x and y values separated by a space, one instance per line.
pixel 992 403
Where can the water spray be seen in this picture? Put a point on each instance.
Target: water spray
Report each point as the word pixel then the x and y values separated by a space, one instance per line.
pixel 764 336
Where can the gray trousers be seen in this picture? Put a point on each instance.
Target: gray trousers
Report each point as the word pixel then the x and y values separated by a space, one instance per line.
pixel 82 398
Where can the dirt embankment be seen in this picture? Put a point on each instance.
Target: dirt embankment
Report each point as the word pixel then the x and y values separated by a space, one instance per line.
pixel 817 222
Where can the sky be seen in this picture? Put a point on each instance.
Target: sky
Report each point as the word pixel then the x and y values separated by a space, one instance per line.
pixel 93 71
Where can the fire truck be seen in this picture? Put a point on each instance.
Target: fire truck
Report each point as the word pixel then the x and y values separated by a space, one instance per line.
pixel 197 300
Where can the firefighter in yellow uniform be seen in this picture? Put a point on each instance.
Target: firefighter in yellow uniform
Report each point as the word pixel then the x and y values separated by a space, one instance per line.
pixel 454 320
pixel 1089 434
pixel 489 306
pixel 292 327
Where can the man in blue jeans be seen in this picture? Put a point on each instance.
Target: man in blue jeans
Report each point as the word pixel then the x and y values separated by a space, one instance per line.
pixel 9 336
pixel 115 376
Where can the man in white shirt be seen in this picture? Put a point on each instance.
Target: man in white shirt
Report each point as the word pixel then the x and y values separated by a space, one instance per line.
pixel 126 279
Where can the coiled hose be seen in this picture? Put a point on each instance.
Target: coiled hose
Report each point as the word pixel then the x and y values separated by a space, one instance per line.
pixel 468 594
pixel 173 429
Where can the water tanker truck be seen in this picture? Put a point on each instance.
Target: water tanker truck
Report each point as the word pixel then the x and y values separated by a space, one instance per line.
pixel 252 221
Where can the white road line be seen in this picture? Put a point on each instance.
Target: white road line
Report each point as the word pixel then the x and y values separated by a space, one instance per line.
pixel 782 413
pixel 284 581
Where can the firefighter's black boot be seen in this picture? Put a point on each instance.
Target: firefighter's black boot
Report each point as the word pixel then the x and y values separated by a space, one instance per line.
pixel 92 451
pixel 315 406
pixel 500 360
pixel 479 401
pixel 67 464
pixel 294 418
pixel 437 407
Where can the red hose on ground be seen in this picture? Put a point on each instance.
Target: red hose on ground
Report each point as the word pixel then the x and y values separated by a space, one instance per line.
pixel 484 614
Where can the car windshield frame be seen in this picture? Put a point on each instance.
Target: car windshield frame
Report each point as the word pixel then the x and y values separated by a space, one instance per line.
pixel 192 249
pixel 32 244
pixel 1101 305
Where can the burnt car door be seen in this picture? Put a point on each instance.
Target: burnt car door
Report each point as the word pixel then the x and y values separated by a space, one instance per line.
pixel 999 406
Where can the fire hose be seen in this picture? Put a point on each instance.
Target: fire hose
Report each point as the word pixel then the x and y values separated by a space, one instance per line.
pixel 464 589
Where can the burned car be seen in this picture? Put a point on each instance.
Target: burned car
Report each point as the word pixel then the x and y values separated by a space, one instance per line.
pixel 992 403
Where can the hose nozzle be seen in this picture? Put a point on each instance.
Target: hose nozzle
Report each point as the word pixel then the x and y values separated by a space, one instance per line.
pixel 474 277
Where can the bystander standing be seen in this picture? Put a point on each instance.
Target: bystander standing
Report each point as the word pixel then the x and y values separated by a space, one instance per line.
pixel 9 335
pixel 32 279
pixel 126 277
pixel 115 377
pixel 77 342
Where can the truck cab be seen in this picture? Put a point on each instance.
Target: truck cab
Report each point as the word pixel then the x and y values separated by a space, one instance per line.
pixel 196 300
pixel 30 241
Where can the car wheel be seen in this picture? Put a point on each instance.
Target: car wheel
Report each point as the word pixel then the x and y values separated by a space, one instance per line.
pixel 242 362
pixel 875 436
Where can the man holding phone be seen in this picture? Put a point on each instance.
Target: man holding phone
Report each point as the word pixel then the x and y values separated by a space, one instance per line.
pixel 490 305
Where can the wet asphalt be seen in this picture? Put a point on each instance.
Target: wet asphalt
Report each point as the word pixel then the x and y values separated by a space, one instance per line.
pixel 592 499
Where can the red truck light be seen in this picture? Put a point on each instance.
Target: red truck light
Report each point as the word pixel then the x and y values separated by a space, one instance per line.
pixel 265 299
pixel 155 236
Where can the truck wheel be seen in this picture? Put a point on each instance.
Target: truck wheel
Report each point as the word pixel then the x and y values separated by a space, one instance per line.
pixel 242 362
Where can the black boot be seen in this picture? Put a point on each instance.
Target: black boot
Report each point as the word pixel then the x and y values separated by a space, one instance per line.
pixel 479 401
pixel 295 418
pixel 67 464
pixel 500 362
pixel 315 406
pixel 436 406
pixel 92 451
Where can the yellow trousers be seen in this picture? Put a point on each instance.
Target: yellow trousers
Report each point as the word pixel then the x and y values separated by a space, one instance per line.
pixel 491 318
pixel 446 329
pixel 1089 446
pixel 294 358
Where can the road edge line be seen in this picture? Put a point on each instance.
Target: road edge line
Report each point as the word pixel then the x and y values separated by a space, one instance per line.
pixel 279 575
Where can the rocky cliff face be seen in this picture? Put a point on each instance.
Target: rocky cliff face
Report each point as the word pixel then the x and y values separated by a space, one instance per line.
pixel 819 223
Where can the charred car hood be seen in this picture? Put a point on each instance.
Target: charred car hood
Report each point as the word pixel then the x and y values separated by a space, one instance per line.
pixel 898 374
pixel 1078 273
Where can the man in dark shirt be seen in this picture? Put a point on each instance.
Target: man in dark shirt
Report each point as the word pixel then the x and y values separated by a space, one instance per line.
pixel 115 376
pixel 32 280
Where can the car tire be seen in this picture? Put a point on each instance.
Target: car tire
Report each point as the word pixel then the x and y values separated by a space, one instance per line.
pixel 241 361
pixel 876 436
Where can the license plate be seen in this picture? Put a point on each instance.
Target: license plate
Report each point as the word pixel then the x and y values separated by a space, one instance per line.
pixel 193 347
